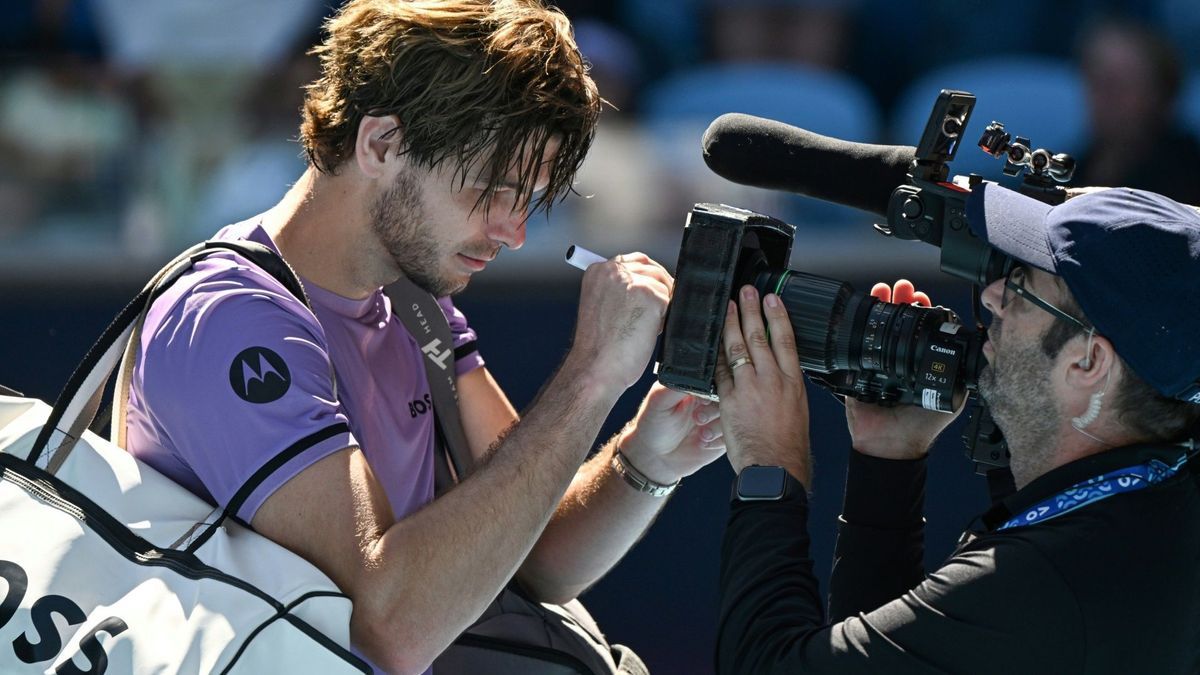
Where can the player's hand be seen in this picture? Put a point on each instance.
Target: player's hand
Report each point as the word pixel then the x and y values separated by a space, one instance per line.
pixel 621 310
pixel 673 435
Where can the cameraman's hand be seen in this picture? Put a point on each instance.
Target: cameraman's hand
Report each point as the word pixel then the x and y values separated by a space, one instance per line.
pixel 764 406
pixel 904 431
pixel 621 309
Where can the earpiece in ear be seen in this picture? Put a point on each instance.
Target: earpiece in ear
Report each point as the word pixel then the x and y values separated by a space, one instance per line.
pixel 1087 356
pixel 1094 404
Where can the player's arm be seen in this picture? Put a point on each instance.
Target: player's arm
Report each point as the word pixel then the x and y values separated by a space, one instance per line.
pixel 485 411
pixel 418 582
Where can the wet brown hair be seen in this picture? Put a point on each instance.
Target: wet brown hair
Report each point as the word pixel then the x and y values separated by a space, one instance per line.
pixel 485 84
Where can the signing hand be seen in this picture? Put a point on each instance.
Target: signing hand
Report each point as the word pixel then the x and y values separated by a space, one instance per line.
pixel 673 435
pixel 764 406
pixel 621 309
pixel 905 431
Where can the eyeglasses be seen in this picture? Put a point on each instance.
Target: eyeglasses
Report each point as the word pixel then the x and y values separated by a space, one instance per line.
pixel 1015 282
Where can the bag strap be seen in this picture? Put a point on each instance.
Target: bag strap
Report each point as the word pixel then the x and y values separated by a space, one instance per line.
pixel 424 319
pixel 263 257
pixel 77 403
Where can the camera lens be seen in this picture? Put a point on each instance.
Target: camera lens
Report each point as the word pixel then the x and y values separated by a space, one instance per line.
pixel 874 350
pixel 817 307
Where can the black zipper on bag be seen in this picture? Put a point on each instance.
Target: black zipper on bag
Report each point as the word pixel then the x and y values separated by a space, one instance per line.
pixel 63 497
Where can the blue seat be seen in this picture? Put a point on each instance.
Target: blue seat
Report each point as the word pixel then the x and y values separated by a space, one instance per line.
pixel 678 109
pixel 820 101
pixel 1038 98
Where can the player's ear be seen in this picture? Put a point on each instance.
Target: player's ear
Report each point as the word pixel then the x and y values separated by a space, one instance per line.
pixel 377 141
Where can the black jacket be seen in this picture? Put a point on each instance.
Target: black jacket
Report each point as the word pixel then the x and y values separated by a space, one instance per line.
pixel 1112 587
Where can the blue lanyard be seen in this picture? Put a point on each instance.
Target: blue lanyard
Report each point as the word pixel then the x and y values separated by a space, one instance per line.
pixel 1095 489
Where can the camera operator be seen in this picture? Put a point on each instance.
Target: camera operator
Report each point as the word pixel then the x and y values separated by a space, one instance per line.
pixel 1093 565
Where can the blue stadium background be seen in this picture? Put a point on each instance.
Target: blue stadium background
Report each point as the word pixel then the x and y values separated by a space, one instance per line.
pixel 129 128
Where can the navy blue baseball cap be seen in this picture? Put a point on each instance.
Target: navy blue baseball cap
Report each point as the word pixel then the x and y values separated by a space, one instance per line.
pixel 1131 258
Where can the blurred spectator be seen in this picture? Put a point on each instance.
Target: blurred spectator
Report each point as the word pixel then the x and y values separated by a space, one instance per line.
pixel 68 128
pixel 255 175
pixel 1133 78
pixel 66 136
pixel 779 59
pixel 897 42
pixel 682 33
pixel 198 63
pixel 205 35
pixel 65 128
pixel 163 119
pixel 808 32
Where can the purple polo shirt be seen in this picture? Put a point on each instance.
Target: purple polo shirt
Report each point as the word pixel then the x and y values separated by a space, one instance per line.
pixel 233 374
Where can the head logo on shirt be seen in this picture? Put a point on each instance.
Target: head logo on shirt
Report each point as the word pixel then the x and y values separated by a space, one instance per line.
pixel 259 375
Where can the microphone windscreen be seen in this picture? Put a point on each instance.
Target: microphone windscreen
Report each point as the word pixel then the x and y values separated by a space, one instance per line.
pixel 768 154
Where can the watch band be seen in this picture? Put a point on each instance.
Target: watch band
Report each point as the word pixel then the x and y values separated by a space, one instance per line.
pixel 638 480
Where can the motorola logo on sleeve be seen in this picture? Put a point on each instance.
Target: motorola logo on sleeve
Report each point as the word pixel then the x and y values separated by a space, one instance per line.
pixel 259 375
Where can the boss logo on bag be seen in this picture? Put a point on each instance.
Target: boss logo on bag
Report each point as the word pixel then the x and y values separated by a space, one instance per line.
pixel 46 641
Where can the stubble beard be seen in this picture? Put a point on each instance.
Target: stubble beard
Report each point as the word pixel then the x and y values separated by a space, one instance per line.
pixel 1017 390
pixel 399 223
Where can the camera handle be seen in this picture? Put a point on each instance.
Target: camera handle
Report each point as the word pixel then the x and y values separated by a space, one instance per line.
pixel 936 213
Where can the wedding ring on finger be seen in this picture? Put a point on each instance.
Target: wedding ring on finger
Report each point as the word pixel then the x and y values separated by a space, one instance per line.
pixel 738 362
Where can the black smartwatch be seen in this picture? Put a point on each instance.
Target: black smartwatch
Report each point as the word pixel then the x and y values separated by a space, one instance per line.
pixel 764 484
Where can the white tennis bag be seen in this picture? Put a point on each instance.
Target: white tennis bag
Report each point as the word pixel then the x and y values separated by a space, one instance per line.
pixel 106 565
